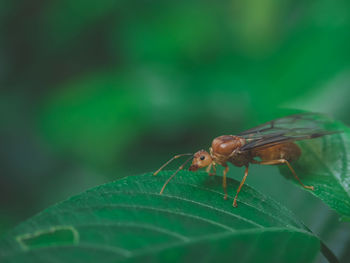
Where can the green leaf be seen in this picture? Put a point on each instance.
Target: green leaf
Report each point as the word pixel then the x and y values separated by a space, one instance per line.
pixel 128 220
pixel 324 164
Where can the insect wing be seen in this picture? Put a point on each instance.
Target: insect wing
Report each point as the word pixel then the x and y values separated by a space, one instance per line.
pixel 287 129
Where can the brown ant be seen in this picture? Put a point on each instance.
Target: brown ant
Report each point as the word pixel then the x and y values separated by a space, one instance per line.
pixel 268 144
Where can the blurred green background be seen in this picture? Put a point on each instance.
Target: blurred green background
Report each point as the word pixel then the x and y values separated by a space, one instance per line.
pixel 92 91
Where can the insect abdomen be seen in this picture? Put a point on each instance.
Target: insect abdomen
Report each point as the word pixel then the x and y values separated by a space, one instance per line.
pixel 288 151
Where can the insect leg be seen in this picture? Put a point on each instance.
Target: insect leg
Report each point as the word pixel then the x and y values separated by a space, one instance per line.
pixel 224 184
pixel 284 161
pixel 172 159
pixel 214 169
pixel 240 186
pixel 208 170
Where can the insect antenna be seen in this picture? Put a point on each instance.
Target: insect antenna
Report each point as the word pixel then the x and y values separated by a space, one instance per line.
pixel 172 176
pixel 172 159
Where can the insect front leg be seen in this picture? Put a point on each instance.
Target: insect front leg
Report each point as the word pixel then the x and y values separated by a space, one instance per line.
pixel 208 170
pixel 214 169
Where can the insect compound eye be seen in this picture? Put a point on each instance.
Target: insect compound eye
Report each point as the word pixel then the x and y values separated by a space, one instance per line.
pixel 202 157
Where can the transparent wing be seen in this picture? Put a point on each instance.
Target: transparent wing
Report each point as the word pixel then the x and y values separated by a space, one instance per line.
pixel 286 129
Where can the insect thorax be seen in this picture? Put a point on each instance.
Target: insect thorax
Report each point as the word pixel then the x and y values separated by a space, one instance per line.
pixel 226 148
pixel 236 157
